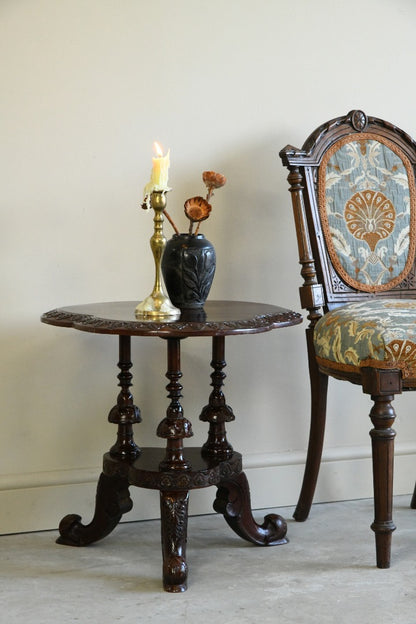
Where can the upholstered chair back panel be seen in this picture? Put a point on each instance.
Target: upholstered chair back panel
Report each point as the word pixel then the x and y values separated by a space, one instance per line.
pixel 367 209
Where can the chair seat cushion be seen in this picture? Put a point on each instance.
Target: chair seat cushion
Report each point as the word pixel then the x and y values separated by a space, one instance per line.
pixel 379 333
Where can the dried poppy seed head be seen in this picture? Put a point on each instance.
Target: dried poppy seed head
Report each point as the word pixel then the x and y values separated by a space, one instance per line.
pixel 213 180
pixel 197 209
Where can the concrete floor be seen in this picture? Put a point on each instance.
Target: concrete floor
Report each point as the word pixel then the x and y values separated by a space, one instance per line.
pixel 325 574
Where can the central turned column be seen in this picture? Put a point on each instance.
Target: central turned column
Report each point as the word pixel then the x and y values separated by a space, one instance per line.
pixel 174 428
pixel 174 504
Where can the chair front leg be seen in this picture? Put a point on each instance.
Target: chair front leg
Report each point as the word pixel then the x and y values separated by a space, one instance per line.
pixel 382 385
pixel 382 438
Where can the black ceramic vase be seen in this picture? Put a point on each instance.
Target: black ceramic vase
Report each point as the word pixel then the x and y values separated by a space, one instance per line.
pixel 188 267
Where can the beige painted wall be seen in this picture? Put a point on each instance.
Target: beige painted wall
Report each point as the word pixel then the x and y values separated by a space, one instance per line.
pixel 86 87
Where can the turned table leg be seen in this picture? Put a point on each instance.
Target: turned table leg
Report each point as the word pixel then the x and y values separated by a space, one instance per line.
pixel 112 498
pixel 124 414
pixel 233 495
pixel 217 412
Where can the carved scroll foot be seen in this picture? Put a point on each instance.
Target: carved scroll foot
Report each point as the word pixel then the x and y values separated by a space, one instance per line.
pixel 233 501
pixel 112 501
pixel 174 521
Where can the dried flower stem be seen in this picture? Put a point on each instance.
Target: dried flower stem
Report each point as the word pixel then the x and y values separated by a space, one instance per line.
pixel 208 197
pixel 169 218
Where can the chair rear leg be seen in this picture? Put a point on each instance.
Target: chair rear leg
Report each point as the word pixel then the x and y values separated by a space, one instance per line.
pixel 319 391
pixel 413 501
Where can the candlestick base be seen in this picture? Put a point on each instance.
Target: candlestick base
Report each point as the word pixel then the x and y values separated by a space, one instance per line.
pixel 157 306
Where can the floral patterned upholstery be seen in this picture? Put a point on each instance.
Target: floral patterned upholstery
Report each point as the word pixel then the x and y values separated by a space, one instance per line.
pixel 366 191
pixel 379 333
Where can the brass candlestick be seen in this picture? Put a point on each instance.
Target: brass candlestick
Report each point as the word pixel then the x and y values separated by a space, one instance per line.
pixel 157 304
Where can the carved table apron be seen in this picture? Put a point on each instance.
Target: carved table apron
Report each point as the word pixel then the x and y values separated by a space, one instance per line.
pixel 175 469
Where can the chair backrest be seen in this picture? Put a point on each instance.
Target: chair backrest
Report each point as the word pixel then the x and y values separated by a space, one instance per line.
pixel 354 198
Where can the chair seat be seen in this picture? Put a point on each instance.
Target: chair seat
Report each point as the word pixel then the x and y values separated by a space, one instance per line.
pixel 378 333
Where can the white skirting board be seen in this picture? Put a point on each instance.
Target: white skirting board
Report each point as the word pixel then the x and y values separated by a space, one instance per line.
pixel 38 501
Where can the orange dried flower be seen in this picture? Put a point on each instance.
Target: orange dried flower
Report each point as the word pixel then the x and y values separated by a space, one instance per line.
pixel 197 209
pixel 213 180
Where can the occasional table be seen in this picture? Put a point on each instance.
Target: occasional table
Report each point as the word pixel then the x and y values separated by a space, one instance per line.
pixel 175 469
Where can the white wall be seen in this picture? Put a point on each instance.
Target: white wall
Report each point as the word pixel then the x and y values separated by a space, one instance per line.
pixel 86 87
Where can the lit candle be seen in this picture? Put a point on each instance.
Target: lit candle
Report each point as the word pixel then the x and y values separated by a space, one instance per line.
pixel 160 172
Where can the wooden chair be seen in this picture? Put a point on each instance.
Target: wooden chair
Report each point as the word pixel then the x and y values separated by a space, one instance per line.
pixel 354 200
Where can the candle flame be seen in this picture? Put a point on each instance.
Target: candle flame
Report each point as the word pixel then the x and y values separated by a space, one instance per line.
pixel 158 149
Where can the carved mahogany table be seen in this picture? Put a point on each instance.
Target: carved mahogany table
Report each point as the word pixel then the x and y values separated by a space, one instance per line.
pixel 174 470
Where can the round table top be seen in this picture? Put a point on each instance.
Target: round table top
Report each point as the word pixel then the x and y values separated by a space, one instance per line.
pixel 217 318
